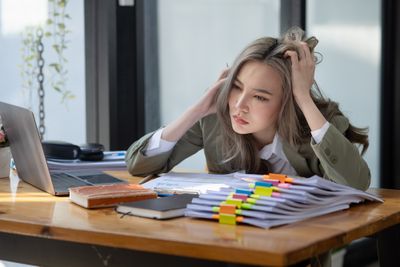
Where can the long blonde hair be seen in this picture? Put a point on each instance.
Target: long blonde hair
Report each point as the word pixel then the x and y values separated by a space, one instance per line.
pixel 240 151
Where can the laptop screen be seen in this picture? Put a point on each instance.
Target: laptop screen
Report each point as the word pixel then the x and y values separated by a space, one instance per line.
pixel 26 148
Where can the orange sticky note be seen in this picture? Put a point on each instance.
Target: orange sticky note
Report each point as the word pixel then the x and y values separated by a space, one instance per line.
pixel 276 176
pixel 227 208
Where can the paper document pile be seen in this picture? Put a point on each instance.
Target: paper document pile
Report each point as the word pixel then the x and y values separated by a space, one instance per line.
pixel 261 200
pixel 267 201
pixel 113 160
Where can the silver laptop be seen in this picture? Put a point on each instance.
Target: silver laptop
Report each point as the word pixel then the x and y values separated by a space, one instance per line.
pixel 26 148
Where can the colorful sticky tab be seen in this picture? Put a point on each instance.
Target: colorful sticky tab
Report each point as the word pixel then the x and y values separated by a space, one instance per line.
pixel 240 196
pixel 263 191
pixel 284 185
pixel 239 218
pixel 261 183
pixel 289 180
pixel 251 200
pixel 247 206
pixel 227 208
pixel 227 218
pixel 275 194
pixel 277 176
pixel 272 181
pixel 237 202
pixel 238 212
pixel 275 189
pixel 243 191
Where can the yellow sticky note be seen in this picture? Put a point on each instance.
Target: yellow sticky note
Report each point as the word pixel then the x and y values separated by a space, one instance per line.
pixel 263 191
pixel 234 201
pixel 227 218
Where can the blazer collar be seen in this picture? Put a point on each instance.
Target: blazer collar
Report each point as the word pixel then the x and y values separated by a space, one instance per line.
pixel 295 159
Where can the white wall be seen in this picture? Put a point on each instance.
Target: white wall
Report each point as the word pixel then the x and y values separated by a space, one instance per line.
pixel 197 40
pixel 350 41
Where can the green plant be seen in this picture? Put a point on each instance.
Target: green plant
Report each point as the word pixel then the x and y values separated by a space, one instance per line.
pixel 55 34
pixel 29 69
pixel 57 31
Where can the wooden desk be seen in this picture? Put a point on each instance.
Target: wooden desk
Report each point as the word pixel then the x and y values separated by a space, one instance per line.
pixel 38 228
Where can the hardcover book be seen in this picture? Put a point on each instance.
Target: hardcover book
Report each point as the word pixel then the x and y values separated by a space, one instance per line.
pixel 160 208
pixel 108 195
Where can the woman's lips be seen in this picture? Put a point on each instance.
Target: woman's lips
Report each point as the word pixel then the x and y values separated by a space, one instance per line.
pixel 239 120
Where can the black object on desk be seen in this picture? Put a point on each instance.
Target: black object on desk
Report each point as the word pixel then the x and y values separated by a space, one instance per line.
pixel 60 150
pixel 65 150
pixel 159 208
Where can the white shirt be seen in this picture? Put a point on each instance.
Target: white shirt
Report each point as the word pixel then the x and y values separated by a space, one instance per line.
pixel 273 152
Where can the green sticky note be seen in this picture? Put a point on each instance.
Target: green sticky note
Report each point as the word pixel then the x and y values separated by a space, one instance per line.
pixel 251 200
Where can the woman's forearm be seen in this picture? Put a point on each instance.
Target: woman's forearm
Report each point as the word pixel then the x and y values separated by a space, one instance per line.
pixel 176 129
pixel 313 115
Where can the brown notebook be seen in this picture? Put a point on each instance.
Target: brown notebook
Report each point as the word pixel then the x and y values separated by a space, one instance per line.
pixel 96 196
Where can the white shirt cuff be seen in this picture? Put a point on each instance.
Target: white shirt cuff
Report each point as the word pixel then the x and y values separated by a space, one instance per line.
pixel 319 134
pixel 157 146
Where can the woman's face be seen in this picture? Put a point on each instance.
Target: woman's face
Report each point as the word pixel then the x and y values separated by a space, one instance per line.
pixel 255 101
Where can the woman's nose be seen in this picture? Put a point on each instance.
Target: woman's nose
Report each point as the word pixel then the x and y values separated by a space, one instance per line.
pixel 241 103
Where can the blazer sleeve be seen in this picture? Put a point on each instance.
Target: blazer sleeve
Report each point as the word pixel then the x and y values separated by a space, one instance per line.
pixel 141 165
pixel 339 159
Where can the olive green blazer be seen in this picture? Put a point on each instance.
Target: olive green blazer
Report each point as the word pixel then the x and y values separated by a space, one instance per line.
pixel 334 158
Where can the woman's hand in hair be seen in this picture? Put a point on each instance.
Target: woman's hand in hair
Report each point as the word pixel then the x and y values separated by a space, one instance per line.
pixel 206 104
pixel 303 68
pixel 177 128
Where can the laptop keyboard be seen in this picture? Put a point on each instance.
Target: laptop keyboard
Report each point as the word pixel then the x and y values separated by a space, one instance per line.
pixel 64 180
pixel 100 178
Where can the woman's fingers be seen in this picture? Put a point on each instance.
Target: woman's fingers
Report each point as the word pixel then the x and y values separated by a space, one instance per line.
pixel 293 57
pixel 308 57
pixel 302 70
pixel 224 73
pixel 303 51
pixel 303 56
pixel 209 99
pixel 212 90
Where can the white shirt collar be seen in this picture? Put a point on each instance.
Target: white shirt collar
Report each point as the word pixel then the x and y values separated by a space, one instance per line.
pixel 274 148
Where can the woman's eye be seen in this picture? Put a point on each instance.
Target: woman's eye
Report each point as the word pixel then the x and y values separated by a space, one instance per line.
pixel 235 87
pixel 260 98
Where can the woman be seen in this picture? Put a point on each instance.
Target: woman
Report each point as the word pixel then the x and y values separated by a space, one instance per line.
pixel 262 115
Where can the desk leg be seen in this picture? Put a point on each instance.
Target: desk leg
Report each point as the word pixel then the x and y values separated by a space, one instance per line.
pixel 389 246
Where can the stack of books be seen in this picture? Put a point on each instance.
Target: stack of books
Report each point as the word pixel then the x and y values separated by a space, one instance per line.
pixel 272 200
pixel 108 195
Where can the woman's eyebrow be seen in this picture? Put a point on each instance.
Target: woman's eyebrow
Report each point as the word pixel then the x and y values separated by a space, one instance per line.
pixel 237 80
pixel 265 91
pixel 260 90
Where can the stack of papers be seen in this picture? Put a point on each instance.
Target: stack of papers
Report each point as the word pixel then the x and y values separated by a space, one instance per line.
pixel 280 202
pixel 113 160
pixel 192 183
pixel 258 199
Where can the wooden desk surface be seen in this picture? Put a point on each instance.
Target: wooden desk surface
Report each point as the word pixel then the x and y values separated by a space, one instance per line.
pixel 27 211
